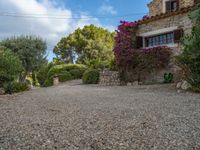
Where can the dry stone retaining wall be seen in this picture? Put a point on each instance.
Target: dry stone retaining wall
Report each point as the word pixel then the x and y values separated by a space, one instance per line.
pixel 109 78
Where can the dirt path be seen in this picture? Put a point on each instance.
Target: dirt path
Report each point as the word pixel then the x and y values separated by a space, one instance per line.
pixel 90 117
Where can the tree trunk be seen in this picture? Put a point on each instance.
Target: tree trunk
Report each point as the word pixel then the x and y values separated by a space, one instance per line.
pixel 22 77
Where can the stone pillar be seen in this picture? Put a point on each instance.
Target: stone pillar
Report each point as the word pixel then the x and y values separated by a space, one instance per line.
pixel 55 80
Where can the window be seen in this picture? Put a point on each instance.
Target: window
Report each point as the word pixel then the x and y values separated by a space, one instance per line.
pixel 171 5
pixel 167 38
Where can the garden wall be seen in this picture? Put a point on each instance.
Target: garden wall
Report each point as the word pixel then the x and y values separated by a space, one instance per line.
pixel 109 78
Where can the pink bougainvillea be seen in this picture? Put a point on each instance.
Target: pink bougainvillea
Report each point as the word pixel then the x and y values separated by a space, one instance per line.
pixel 131 59
pixel 125 42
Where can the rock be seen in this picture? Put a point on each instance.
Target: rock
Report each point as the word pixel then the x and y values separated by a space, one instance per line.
pixel 179 91
pixel 129 84
pixel 178 86
pixel 140 83
pixel 135 83
pixel 2 91
pixel 185 85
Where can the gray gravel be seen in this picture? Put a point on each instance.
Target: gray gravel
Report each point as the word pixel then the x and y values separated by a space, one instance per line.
pixel 79 117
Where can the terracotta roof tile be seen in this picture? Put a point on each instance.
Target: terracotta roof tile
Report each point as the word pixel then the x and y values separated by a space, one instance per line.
pixel 165 15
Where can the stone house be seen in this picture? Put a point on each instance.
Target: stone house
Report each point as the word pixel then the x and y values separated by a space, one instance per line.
pixel 167 22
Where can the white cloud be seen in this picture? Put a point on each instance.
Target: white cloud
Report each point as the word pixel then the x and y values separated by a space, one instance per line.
pixel 50 28
pixel 107 9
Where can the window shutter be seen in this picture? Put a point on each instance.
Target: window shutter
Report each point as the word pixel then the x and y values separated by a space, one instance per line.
pixel 168 6
pixel 139 42
pixel 178 34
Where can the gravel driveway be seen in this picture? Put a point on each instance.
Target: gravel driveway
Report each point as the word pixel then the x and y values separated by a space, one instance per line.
pixel 91 117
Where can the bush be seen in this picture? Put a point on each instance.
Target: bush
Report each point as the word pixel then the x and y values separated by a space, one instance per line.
pixel 42 74
pixel 65 67
pixel 91 77
pixel 48 82
pixel 10 66
pixel 15 87
pixel 144 62
pixel 189 60
pixel 76 73
pixel 113 65
pixel 65 72
pixel 64 76
pixel 98 64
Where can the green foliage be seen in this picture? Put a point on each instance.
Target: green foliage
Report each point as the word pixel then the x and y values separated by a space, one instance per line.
pixel 15 87
pixel 64 50
pixel 30 50
pixel 65 67
pixel 89 43
pixel 48 82
pixel 91 77
pixel 189 60
pixel 10 66
pixel 98 64
pixel 64 76
pixel 65 72
pixel 113 65
pixel 42 74
pixel 76 73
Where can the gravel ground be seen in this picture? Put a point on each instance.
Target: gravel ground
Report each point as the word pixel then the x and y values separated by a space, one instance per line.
pixel 79 117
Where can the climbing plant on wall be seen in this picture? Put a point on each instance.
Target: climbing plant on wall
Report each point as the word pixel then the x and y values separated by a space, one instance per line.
pixel 132 60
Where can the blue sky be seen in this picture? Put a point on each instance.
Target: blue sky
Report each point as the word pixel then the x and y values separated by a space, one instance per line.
pixel 53 19
pixel 120 8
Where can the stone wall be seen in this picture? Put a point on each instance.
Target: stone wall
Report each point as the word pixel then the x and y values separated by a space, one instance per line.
pixel 186 3
pixel 109 78
pixel 156 6
pixel 181 21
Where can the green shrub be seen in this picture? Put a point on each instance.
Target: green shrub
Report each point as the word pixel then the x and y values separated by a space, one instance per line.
pixel 64 76
pixel 10 66
pixel 42 74
pixel 113 65
pixel 15 87
pixel 189 60
pixel 48 82
pixel 65 72
pixel 91 77
pixel 65 67
pixel 98 64
pixel 76 73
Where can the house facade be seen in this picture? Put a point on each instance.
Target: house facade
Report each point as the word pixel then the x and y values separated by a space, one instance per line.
pixel 168 21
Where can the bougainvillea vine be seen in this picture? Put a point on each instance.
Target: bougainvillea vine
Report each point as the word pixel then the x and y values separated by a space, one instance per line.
pixel 131 59
pixel 125 42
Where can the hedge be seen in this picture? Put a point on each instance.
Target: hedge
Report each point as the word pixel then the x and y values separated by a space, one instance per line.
pixel 91 77
pixel 65 67
pixel 15 87
pixel 65 76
